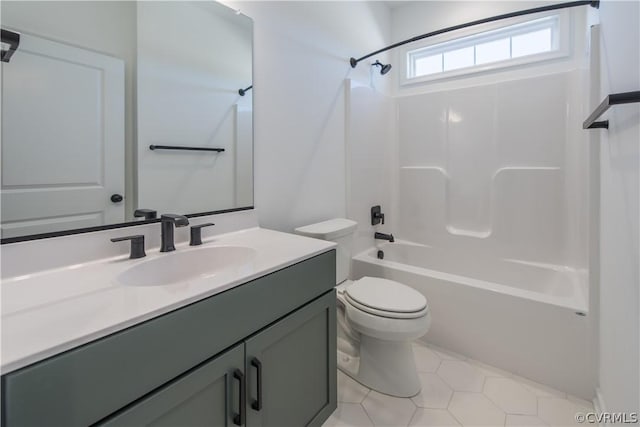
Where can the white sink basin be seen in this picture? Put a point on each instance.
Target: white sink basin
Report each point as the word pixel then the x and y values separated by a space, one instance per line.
pixel 186 265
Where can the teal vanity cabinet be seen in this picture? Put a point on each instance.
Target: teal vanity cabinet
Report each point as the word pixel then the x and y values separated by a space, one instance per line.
pixel 260 354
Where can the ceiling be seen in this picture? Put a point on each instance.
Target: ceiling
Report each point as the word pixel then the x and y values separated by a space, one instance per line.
pixel 394 4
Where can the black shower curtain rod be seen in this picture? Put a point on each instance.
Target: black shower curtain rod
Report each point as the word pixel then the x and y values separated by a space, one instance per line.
pixel 592 3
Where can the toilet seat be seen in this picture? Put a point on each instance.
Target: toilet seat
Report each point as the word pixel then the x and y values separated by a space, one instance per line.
pixel 386 298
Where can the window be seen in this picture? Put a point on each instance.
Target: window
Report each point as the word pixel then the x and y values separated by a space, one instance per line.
pixel 529 41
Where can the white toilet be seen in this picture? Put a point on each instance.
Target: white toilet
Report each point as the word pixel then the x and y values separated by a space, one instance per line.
pixel 377 319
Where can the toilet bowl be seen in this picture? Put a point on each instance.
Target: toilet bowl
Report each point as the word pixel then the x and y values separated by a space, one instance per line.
pixel 377 320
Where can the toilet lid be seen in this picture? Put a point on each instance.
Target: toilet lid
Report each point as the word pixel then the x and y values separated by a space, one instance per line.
pixel 385 296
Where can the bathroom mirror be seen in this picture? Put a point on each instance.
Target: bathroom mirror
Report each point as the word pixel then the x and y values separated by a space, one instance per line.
pixel 109 107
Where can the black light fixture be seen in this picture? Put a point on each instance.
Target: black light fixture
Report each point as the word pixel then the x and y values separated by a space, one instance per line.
pixel 384 69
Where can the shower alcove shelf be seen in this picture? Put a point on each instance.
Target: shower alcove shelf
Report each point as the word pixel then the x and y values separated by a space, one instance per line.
pixel 609 101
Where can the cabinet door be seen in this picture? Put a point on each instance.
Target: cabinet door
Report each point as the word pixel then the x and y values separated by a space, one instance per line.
pixel 208 395
pixel 291 368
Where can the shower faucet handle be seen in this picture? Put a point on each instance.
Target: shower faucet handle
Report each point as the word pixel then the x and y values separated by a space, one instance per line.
pixel 376 215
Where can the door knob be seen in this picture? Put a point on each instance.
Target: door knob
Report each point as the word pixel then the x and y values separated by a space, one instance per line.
pixel 117 198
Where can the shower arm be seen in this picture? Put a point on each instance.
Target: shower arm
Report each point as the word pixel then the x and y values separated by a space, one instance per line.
pixel 242 92
pixel 592 3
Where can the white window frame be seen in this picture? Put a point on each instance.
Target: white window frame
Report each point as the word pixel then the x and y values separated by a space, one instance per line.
pixel 561 41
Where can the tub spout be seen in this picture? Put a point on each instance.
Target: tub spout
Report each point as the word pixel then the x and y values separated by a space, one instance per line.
pixel 383 236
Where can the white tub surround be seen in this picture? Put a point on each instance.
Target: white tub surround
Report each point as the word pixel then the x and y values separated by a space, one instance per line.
pixel 488 181
pixel 479 171
pixel 46 311
pixel 524 317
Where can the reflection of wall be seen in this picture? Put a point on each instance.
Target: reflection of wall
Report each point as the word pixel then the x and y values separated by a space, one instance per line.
pixel 301 61
pixel 191 63
pixel 91 25
pixel 244 151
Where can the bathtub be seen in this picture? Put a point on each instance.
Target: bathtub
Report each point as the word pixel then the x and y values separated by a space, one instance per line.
pixel 527 318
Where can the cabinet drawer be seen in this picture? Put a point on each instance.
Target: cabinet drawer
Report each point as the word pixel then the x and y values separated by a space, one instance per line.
pixel 84 385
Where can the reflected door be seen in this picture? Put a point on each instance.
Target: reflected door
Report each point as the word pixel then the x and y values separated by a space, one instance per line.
pixel 62 138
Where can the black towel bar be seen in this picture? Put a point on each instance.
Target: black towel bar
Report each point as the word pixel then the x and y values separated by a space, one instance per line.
pixel 613 99
pixel 184 148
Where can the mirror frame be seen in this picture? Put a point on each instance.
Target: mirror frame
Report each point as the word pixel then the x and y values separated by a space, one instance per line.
pixel 73 231
pixel 108 227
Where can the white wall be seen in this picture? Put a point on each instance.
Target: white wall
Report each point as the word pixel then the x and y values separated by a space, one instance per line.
pixel 619 376
pixel 415 18
pixel 301 54
pixel 371 150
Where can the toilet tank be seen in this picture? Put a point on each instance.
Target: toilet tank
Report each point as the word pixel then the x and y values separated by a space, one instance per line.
pixel 340 231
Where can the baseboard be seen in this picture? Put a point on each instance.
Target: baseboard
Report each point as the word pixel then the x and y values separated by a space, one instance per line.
pixel 599 404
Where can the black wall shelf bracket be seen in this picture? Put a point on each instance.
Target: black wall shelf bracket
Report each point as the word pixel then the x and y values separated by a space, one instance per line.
pixel 610 100
pixel 184 148
pixel 13 40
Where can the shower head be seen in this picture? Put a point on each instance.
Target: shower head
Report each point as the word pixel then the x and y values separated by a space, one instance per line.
pixel 384 68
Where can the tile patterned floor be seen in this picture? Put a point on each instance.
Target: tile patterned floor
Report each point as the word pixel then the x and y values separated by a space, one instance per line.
pixel 457 391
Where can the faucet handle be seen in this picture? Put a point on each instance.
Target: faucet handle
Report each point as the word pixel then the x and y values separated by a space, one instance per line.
pixel 146 213
pixel 376 215
pixel 196 233
pixel 137 245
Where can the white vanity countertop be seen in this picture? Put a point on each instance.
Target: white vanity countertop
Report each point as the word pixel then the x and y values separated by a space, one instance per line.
pixel 52 311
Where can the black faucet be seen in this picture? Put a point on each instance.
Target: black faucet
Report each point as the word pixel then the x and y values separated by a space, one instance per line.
pixel 167 221
pixel 383 236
